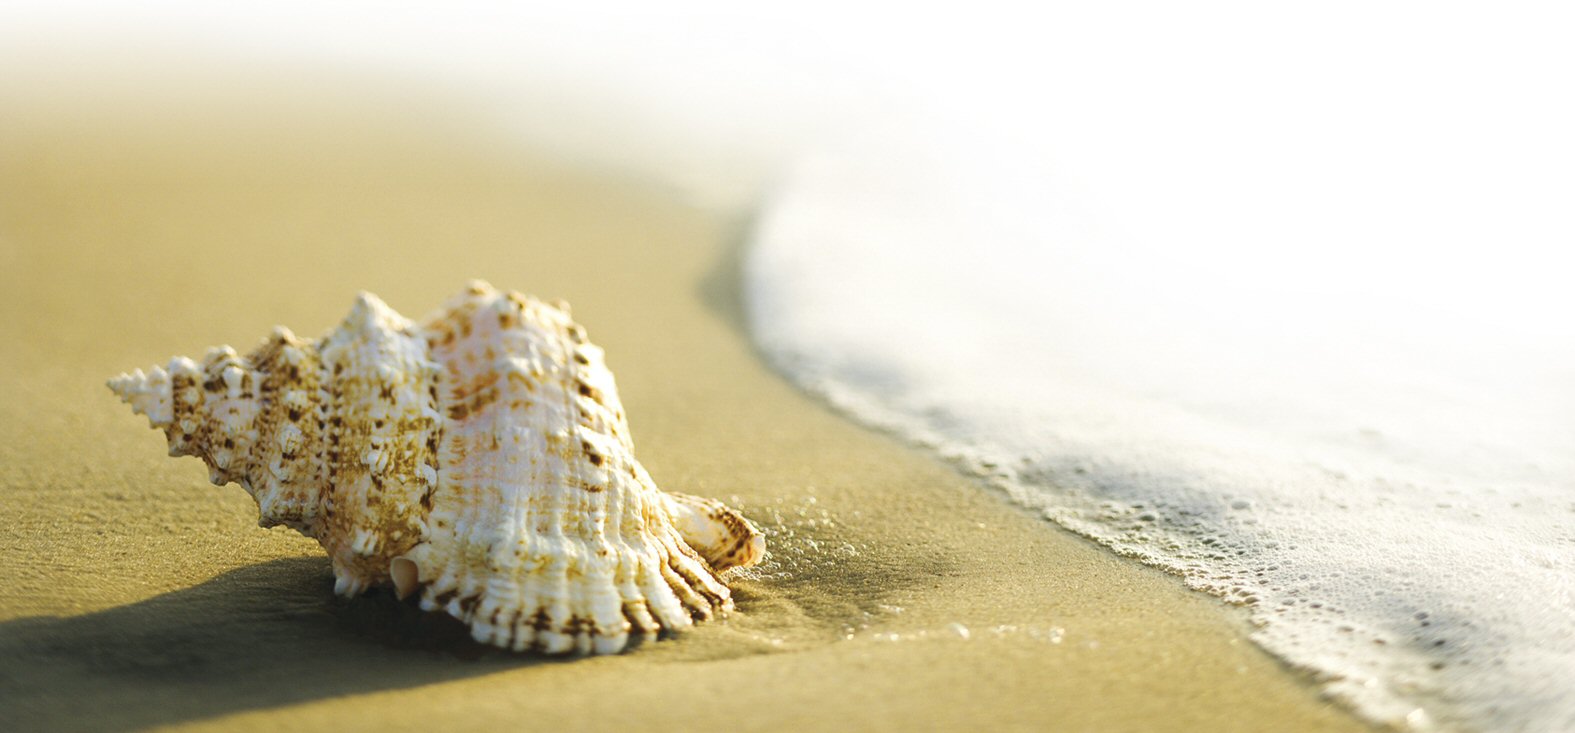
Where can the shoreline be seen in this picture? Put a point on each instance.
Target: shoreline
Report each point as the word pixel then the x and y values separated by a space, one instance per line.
pixel 899 593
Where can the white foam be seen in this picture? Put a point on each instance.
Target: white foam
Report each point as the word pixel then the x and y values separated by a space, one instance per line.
pixel 1366 436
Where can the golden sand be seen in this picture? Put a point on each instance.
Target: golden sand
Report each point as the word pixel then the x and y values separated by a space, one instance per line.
pixel 899 596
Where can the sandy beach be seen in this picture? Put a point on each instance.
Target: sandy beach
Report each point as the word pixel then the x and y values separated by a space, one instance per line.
pixel 899 595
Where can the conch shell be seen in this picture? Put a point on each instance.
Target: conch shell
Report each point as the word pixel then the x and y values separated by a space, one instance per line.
pixel 480 459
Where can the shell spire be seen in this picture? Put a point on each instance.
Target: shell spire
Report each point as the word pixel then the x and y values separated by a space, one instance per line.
pixel 480 461
pixel 148 394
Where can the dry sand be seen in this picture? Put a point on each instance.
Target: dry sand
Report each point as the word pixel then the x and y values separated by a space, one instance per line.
pixel 139 596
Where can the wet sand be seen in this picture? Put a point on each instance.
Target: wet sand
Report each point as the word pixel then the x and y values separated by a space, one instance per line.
pixel 898 594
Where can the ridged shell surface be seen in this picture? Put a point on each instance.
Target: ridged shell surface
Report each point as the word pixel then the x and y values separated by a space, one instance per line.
pixel 480 459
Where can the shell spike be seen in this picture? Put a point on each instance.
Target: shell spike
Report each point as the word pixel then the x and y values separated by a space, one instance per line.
pixel 371 314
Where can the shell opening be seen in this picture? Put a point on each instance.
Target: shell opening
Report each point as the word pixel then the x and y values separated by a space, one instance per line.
pixel 407 578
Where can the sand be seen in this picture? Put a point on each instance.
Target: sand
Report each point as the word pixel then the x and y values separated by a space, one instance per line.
pixel 899 594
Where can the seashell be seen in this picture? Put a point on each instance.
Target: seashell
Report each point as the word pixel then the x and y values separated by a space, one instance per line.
pixel 480 459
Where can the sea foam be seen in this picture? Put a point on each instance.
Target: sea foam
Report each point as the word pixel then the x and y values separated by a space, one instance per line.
pixel 1368 444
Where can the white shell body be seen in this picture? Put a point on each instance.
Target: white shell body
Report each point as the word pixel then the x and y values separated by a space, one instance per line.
pixel 481 459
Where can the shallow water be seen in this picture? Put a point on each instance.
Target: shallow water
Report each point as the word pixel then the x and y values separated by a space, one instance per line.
pixel 1381 470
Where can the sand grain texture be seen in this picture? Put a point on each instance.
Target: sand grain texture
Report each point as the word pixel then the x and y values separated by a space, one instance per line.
pixel 139 596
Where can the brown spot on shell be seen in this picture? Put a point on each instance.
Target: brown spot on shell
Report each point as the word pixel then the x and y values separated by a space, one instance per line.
pixel 523 379
pixel 590 453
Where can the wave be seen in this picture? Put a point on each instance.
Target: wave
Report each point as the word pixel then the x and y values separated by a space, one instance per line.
pixel 1385 481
